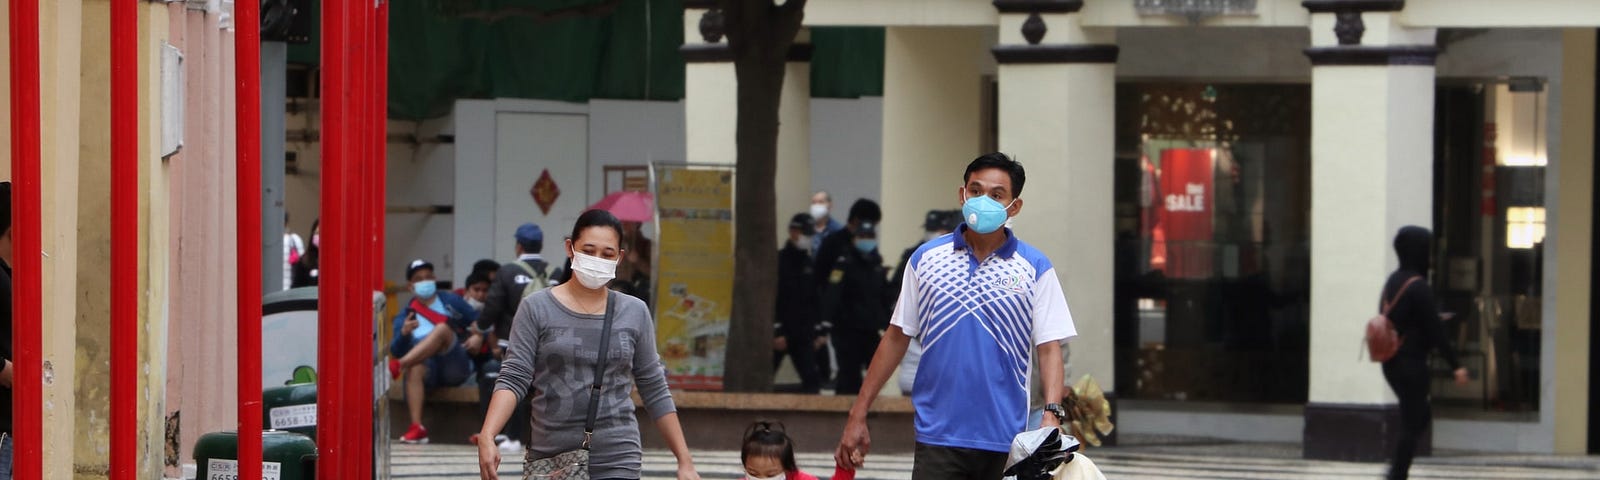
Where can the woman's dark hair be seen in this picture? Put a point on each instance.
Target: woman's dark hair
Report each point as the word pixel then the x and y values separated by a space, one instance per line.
pixel 597 218
pixel 312 250
pixel 766 438
pixel 1000 161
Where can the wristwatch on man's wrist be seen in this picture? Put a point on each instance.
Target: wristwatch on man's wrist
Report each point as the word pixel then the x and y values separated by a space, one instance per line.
pixel 1055 409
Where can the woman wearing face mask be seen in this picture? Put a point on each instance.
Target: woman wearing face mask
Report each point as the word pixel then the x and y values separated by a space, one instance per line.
pixel 553 358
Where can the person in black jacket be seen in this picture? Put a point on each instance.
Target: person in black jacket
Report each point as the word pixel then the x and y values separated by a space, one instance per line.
pixel 833 246
pixel 857 304
pixel 796 322
pixel 7 445
pixel 304 272
pixel 1416 319
pixel 515 280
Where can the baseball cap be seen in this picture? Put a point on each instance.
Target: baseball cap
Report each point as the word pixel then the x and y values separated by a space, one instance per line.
pixel 529 233
pixel 934 221
pixel 418 264
pixel 803 221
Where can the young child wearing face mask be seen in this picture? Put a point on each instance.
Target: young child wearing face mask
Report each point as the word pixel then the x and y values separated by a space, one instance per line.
pixel 768 454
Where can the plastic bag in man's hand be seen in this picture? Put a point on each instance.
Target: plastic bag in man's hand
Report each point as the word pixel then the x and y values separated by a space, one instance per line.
pixel 1036 454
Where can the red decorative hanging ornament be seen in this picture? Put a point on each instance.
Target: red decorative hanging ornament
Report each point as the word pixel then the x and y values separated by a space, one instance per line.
pixel 545 192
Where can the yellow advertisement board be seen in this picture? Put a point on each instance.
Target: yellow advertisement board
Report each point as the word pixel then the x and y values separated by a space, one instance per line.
pixel 694 272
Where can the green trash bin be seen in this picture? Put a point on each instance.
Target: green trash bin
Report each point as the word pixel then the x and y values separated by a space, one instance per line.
pixel 291 408
pixel 284 456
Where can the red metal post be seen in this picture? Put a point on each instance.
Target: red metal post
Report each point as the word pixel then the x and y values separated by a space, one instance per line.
pixel 372 243
pixel 336 450
pixel 125 235
pixel 381 91
pixel 356 202
pixel 27 248
pixel 247 78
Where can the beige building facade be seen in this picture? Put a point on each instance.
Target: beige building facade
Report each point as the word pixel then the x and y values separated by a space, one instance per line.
pixel 1219 182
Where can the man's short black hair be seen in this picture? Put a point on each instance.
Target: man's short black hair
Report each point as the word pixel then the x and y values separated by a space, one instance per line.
pixel 865 211
pixel 5 207
pixel 484 266
pixel 1002 162
pixel 477 278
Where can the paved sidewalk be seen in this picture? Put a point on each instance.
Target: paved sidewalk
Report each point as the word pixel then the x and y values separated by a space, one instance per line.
pixel 1181 461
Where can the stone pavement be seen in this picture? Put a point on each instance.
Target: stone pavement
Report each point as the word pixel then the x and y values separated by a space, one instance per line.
pixel 1182 461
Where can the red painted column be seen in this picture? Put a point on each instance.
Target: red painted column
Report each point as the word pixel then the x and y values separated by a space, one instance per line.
pixel 27 294
pixel 359 317
pixel 247 63
pixel 333 437
pixel 125 238
pixel 381 91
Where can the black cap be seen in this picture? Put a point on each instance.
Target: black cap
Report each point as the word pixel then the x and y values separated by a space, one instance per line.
pixel 935 220
pixel 418 264
pixel 952 220
pixel 803 222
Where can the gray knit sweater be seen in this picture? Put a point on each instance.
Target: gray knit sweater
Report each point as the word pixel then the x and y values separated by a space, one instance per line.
pixel 553 350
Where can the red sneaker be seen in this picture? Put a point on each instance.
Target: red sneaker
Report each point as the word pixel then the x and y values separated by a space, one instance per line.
pixel 394 369
pixel 415 434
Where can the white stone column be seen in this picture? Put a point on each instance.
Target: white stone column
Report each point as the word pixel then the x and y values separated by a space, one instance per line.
pixel 932 125
pixel 1057 102
pixel 793 186
pixel 710 88
pixel 1371 173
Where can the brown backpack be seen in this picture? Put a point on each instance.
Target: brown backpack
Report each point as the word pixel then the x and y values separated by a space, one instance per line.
pixel 1382 339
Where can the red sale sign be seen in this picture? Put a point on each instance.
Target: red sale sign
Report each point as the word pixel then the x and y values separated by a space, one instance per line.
pixel 1186 205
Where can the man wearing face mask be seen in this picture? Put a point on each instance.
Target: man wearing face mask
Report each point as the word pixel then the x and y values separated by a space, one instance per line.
pixel 983 305
pixel 796 321
pixel 428 343
pixel 856 303
pixel 828 252
pixel 822 224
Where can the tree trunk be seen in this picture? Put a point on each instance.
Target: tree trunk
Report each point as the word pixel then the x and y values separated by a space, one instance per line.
pixel 759 35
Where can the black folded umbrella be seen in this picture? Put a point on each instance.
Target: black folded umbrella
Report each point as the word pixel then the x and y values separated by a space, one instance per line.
pixel 1034 454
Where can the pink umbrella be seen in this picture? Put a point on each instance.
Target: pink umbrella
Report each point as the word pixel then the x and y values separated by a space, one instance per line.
pixel 628 206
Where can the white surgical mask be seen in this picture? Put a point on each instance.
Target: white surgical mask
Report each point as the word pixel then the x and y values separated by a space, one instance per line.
pixel 819 210
pixel 780 476
pixel 803 243
pixel 476 305
pixel 593 272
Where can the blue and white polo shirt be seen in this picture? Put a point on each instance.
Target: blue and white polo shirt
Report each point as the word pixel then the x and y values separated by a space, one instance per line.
pixel 978 323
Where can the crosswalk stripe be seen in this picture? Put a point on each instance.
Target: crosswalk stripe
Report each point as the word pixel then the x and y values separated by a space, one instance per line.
pixel 437 462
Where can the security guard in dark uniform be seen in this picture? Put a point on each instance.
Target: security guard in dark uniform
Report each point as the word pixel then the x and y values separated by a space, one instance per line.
pixel 857 303
pixel 799 306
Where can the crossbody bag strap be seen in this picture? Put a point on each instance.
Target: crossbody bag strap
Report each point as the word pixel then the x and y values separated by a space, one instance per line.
pixel 599 368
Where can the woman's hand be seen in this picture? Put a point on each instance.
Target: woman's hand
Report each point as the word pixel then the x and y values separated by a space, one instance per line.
pixel 489 458
pixel 686 471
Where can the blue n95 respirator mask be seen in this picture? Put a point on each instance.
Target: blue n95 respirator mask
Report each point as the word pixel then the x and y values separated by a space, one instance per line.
pixel 985 215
